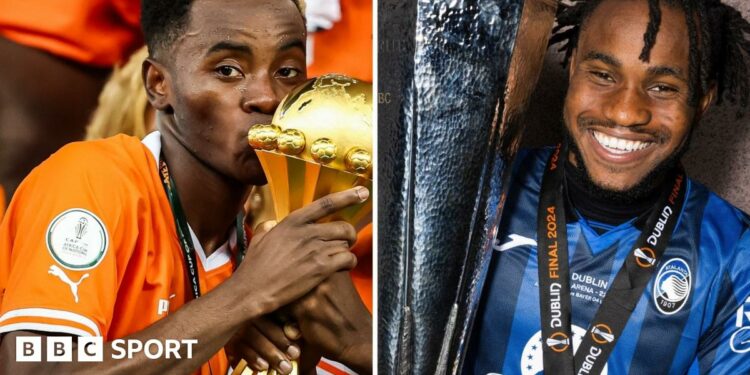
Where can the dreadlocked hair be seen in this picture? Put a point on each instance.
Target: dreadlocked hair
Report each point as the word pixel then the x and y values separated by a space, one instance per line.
pixel 719 48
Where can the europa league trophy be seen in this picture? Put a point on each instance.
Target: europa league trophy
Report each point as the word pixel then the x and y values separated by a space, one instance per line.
pixel 452 94
pixel 319 142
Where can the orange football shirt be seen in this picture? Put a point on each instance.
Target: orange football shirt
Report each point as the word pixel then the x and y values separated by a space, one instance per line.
pixel 92 32
pixel 362 274
pixel 81 258
pixel 2 202
pixel 89 247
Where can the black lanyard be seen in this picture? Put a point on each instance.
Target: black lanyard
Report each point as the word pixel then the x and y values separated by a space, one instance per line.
pixel 183 231
pixel 623 294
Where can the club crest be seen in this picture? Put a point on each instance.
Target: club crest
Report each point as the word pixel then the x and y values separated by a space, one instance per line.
pixel 672 286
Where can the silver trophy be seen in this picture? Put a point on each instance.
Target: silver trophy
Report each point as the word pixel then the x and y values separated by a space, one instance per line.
pixel 451 102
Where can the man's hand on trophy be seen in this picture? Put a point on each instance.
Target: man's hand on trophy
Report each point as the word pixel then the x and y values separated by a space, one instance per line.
pixel 334 320
pixel 298 253
pixel 265 344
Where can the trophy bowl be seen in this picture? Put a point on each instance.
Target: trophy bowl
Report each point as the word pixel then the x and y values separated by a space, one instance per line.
pixel 319 142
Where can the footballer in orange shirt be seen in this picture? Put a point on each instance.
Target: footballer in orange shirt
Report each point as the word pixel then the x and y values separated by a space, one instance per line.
pixel 98 242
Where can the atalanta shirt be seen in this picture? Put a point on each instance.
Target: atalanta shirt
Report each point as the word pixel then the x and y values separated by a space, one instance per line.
pixel 692 318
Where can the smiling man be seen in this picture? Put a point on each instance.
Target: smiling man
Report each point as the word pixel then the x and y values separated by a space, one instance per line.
pixel 138 241
pixel 608 258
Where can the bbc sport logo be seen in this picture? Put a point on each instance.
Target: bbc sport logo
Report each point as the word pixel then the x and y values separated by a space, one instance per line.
pixel 91 349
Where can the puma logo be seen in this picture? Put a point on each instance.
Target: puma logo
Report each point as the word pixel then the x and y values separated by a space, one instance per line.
pixel 56 271
pixel 516 240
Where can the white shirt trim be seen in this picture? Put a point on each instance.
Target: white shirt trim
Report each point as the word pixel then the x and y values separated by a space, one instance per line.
pixel 223 254
pixel 338 365
pixel 42 327
pixel 218 258
pixel 153 143
pixel 37 312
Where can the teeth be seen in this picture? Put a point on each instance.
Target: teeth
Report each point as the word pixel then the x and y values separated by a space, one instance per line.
pixel 619 145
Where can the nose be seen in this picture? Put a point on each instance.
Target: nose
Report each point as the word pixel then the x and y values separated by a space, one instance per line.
pixel 261 95
pixel 627 106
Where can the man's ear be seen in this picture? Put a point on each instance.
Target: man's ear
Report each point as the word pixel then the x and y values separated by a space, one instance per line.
pixel 706 100
pixel 156 79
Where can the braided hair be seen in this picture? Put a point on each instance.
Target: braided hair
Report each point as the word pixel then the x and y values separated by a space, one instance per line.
pixel 719 48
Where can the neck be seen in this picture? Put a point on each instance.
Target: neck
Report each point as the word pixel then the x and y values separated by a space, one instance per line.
pixel 604 206
pixel 210 200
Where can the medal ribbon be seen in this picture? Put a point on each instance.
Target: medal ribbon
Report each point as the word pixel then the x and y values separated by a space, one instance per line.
pixel 183 231
pixel 624 292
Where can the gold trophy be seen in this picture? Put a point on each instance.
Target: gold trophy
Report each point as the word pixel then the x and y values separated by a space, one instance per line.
pixel 319 142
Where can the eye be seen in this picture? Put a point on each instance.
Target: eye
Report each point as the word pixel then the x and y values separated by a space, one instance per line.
pixel 664 89
pixel 228 71
pixel 289 72
pixel 602 76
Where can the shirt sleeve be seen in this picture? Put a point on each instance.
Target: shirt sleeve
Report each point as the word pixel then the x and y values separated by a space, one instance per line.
pixel 62 242
pixel 725 348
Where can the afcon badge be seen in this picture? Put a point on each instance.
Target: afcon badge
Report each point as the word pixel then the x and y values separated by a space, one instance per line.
pixel 672 286
pixel 77 239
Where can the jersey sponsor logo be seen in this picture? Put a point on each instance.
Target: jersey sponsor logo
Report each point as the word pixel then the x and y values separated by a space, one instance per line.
pixel 739 342
pixel 645 257
pixel 77 239
pixel 57 271
pixel 532 362
pixel 743 314
pixel 602 334
pixel 672 286
pixel 516 240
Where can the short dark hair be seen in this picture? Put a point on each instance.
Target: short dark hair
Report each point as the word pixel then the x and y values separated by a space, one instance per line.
pixel 163 21
pixel 719 51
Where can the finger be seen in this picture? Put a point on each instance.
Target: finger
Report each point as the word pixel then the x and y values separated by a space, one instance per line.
pixel 337 230
pixel 345 260
pixel 331 248
pixel 274 332
pixel 265 349
pixel 262 229
pixel 330 204
pixel 253 359
pixel 292 332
